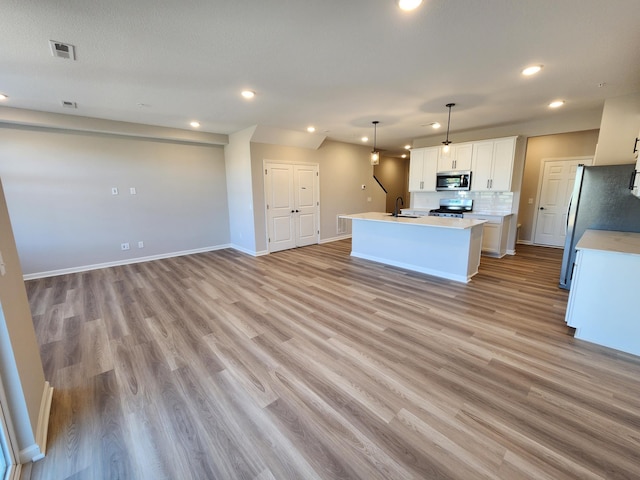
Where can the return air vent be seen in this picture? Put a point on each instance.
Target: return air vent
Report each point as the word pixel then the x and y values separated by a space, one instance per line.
pixel 67 104
pixel 62 50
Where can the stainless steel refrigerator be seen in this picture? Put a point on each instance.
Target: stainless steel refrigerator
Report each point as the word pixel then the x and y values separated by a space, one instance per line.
pixel 601 200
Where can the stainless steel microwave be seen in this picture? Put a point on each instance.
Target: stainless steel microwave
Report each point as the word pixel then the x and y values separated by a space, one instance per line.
pixel 446 181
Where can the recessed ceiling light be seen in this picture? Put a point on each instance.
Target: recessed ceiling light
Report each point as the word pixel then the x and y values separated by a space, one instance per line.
pixel 404 155
pixel 365 139
pixel 532 70
pixel 3 96
pixel 556 103
pixel 407 147
pixel 408 5
pixel 195 124
pixel 311 129
pixel 248 94
pixel 435 125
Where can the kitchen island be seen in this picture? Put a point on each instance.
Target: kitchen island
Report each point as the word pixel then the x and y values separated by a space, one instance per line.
pixel 443 247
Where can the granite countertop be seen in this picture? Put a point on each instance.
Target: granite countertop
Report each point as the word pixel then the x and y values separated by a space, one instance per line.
pixel 440 222
pixel 610 241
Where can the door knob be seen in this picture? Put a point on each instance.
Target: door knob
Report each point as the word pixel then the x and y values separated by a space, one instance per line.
pixel 293 211
pixel 297 211
pixel 541 208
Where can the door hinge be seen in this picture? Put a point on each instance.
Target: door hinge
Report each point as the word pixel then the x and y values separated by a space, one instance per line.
pixel 267 206
pixel 265 171
pixel 317 204
pixel 269 240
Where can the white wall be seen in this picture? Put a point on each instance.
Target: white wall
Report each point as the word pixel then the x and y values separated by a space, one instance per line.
pixel 240 193
pixel 619 128
pixel 20 363
pixel 58 189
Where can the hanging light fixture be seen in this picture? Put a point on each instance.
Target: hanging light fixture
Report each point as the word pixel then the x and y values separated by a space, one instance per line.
pixel 375 154
pixel 447 142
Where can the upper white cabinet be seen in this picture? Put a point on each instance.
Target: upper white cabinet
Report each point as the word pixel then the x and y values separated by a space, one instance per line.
pixel 422 169
pixel 492 164
pixel 458 158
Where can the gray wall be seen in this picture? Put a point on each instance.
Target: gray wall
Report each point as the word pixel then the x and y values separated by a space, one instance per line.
pixel 58 189
pixel 343 169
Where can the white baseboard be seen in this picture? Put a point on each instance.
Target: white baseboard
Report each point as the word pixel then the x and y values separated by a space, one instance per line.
pixel 253 253
pixel 525 242
pixel 30 454
pixel 511 252
pixel 335 239
pixel 129 261
pixel 43 418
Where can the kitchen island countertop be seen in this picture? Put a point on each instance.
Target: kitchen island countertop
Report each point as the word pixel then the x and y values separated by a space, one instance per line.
pixel 442 222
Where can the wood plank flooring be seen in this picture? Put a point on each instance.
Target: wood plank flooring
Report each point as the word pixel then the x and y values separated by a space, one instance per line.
pixel 310 364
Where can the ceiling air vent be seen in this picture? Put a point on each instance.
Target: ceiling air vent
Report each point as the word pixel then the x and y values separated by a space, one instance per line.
pixel 67 104
pixel 62 50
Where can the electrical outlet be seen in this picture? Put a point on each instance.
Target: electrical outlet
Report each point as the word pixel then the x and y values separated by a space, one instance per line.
pixel 3 269
pixel 124 246
pixel 114 190
pixel 132 190
pixel 140 244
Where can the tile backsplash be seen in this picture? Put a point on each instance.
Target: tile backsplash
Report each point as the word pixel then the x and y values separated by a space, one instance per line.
pixel 484 202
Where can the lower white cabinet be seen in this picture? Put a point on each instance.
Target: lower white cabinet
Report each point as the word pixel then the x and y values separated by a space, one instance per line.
pixel 604 288
pixel 495 233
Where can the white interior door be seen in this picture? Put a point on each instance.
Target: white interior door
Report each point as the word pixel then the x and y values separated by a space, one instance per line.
pixel 293 200
pixel 280 206
pixel 306 204
pixel 556 186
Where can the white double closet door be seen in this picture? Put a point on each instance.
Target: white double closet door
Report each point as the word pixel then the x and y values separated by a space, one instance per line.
pixel 293 205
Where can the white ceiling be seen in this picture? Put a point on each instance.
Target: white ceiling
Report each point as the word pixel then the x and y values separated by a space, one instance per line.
pixel 334 64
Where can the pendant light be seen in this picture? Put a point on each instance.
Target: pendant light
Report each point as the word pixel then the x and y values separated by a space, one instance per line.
pixel 447 142
pixel 375 154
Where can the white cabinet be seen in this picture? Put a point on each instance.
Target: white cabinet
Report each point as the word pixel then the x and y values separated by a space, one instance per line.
pixel 457 159
pixel 492 165
pixel 604 287
pixel 422 169
pixel 494 234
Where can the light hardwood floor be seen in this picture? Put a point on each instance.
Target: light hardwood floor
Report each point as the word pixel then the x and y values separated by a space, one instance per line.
pixel 309 364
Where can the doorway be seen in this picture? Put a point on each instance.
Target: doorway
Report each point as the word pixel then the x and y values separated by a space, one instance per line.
pixel 557 178
pixel 293 205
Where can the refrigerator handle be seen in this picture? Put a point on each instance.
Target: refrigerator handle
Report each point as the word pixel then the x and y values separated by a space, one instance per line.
pixel 632 181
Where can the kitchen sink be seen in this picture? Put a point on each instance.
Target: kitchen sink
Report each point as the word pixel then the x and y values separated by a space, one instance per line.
pixel 403 216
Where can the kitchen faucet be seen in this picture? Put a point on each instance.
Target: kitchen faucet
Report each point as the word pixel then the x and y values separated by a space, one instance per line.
pixel 395 211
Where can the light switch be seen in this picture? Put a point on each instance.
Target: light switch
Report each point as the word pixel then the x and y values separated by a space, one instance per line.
pixel 368 199
pixel 3 270
pixel 114 190
pixel 132 190
pixel 531 201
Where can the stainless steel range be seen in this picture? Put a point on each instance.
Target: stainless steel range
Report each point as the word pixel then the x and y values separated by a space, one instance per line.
pixel 452 207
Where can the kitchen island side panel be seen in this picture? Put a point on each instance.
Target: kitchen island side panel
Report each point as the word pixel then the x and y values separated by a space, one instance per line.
pixel 444 252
